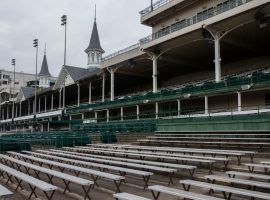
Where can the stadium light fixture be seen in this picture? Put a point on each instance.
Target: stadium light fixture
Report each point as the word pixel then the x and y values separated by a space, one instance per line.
pixel 35 45
pixel 13 63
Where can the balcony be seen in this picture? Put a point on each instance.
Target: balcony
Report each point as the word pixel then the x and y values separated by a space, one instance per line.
pixel 199 17
pixel 155 6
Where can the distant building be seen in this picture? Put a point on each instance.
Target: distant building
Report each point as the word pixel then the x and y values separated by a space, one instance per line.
pixel 6 83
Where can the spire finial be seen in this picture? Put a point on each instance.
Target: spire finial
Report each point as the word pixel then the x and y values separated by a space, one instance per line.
pixel 95 12
pixel 45 49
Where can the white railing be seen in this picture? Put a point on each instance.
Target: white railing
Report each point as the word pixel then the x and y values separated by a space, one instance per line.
pixel 153 7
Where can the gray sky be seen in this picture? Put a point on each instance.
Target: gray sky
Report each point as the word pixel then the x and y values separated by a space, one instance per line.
pixel 21 21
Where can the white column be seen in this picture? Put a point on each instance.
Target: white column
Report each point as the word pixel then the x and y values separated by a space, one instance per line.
pixel 70 118
pixel 39 105
pixel 52 102
pixel 156 106
pixel 122 114
pixel 90 92
pixel 7 112
pixel 154 58
pixel 103 87
pixel 206 105
pixel 60 98
pixel 34 106
pixel 239 101
pixel 108 115
pixel 16 114
pixel 112 84
pixel 45 106
pixel 41 127
pixel 79 94
pixel 48 126
pixel 82 116
pixel 217 59
pixel 20 109
pixel 178 107
pixel 96 115
pixel 138 112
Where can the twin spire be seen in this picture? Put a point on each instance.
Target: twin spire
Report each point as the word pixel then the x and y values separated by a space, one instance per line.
pixel 94 44
pixel 44 71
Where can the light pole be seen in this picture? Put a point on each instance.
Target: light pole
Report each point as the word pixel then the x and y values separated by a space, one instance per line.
pixel 64 23
pixel 35 45
pixel 13 62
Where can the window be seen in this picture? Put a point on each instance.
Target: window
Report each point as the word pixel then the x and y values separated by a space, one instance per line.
pixel 6 76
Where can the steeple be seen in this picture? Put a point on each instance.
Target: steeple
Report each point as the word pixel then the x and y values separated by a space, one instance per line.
pixel 94 50
pixel 44 74
pixel 44 71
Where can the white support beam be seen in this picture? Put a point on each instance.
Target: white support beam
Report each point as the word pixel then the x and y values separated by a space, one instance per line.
pixel 45 104
pixel 82 116
pixel 178 107
pixel 52 102
pixel 154 59
pixel 90 92
pixel 108 115
pixel 79 94
pixel 138 112
pixel 112 85
pixel 28 107
pixel 122 113
pixel 20 108
pixel 217 59
pixel 103 87
pixel 96 115
pixel 39 105
pixel 60 91
pixel 206 106
pixel 156 108
pixel 239 101
pixel 70 118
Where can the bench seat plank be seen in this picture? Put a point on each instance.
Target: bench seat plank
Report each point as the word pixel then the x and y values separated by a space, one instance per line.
pixel 127 196
pixel 4 192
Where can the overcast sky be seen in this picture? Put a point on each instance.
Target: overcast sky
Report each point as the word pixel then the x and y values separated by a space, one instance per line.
pixel 21 21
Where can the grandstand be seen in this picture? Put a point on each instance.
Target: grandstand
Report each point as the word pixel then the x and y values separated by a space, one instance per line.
pixel 156 120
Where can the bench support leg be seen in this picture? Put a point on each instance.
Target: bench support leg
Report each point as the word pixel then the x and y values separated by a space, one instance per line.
pixel 86 191
pixel 66 186
pixel 49 197
pixel 146 179
pixel 117 184
pixel 171 178
pixel 32 191
pixel 155 195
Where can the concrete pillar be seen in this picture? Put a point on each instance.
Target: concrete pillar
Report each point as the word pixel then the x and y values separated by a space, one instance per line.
pixel 108 115
pixel 112 84
pixel 103 87
pixel 217 59
pixel 45 106
pixel 154 74
pixel 156 108
pixel 48 126
pixel 16 114
pixel 206 108
pixel 178 107
pixel 79 94
pixel 239 101
pixel 60 98
pixel 138 112
pixel 42 128
pixel 52 102
pixel 39 105
pixel 64 94
pixel 90 92
pixel 82 116
pixel 122 114
pixel 7 112
pixel 70 118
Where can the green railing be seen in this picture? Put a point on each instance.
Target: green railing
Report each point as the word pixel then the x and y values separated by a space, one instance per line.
pixel 256 79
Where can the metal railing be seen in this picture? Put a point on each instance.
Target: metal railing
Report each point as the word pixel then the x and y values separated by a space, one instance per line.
pixel 203 15
pixel 130 48
pixel 153 7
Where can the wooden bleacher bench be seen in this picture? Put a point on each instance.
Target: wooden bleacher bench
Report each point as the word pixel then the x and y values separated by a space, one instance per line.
pixel 31 181
pixel 77 170
pixel 5 193
pixel 210 163
pixel 123 171
pixel 178 193
pixel 250 183
pixel 127 196
pixel 250 175
pixel 190 168
pixel 66 178
pixel 227 191
pixel 212 152
pixel 252 166
pixel 189 157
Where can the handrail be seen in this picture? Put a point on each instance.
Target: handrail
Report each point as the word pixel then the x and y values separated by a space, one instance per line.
pixel 205 14
pixel 153 7
pixel 130 48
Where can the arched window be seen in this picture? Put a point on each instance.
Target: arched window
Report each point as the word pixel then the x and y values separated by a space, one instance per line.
pixel 93 57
